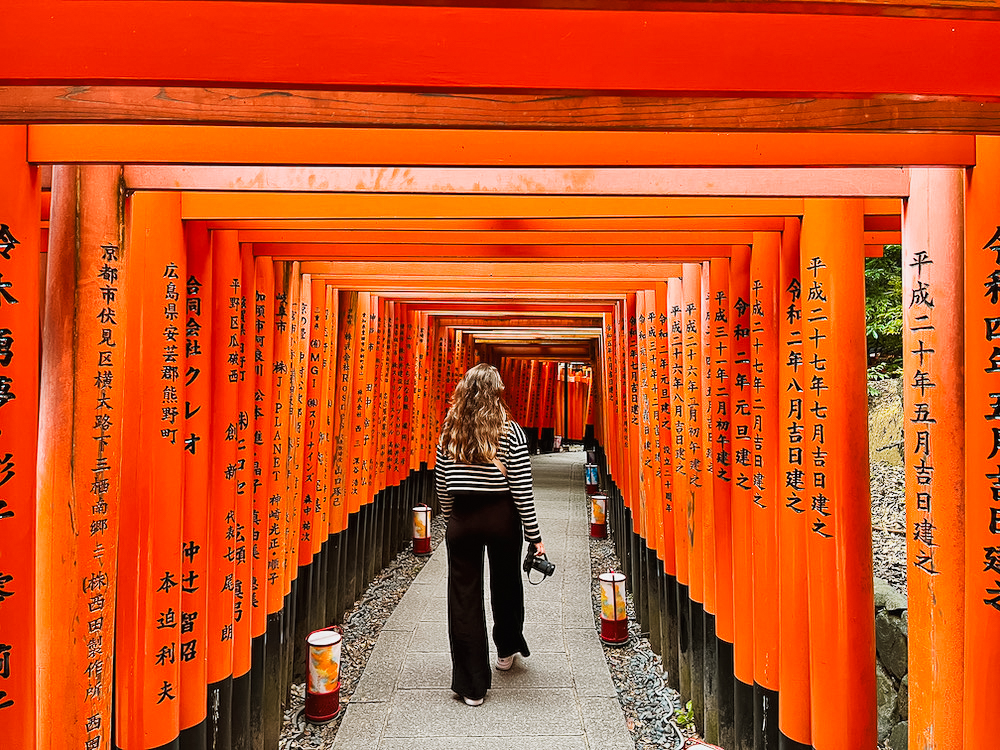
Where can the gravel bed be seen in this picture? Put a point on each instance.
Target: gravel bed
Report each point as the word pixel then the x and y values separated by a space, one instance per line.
pixel 362 625
pixel 889 524
pixel 649 704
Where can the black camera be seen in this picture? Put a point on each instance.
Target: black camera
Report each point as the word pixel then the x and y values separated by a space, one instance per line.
pixel 538 562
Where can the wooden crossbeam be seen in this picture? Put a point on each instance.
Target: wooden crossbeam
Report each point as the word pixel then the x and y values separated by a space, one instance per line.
pixel 220 105
pixel 689 180
pixel 335 237
pixel 385 47
pixel 312 206
pixel 581 253
pixel 399 147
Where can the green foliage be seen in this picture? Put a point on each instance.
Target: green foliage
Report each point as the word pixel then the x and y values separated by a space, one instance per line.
pixel 884 313
pixel 685 718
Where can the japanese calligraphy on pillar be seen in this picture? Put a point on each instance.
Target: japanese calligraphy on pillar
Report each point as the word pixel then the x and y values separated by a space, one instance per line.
pixel 920 325
pixel 9 453
pixel 163 649
pixel 197 367
pixel 263 374
pixel 224 438
pixel 105 433
pixel 720 364
pixel 989 361
pixel 741 394
pixel 793 394
pixel 662 332
pixel 816 321
pixel 676 338
pixel 278 434
pixel 19 417
pixel 981 512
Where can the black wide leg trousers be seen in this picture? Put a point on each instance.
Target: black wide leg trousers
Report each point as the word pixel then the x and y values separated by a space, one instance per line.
pixel 483 521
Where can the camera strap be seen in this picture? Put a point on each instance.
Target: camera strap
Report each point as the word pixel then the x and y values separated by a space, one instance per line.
pixel 535 583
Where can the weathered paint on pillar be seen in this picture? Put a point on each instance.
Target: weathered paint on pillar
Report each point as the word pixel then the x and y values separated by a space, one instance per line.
pixel 982 440
pixel 764 438
pixel 662 329
pixel 651 431
pixel 792 503
pixel 841 613
pixel 720 309
pixel 707 443
pixel 221 581
pixel 311 537
pixel 242 539
pixel 741 490
pixel 79 455
pixel 681 492
pixel 197 381
pixel 147 632
pixel 693 406
pixel 263 374
pixel 278 435
pixel 934 433
pixel 20 246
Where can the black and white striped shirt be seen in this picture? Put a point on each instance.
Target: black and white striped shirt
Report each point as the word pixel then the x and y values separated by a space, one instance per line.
pixel 451 478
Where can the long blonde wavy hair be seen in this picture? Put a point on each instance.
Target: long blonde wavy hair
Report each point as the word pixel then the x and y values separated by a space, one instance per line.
pixel 476 417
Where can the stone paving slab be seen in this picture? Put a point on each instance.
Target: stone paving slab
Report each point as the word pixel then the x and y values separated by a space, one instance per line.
pixel 572 742
pixel 561 698
pixel 506 713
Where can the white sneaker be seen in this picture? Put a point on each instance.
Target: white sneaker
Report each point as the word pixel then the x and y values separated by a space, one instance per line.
pixel 505 663
pixel 474 701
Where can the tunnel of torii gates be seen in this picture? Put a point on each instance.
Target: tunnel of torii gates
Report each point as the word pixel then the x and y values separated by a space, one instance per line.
pixel 226 344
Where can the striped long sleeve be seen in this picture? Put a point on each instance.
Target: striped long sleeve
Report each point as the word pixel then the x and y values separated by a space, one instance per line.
pixel 451 478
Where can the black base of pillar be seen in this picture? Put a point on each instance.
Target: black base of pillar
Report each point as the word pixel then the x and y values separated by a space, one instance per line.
pixel 653 568
pixel 698 664
pixel 333 573
pixel 786 744
pixel 726 698
pixel 194 738
pixel 684 640
pixel 765 718
pixel 547 439
pixel 353 543
pixel 288 643
pixel 172 745
pixel 712 679
pixel 271 701
pixel 220 714
pixel 743 700
pixel 346 567
pixel 317 600
pixel 241 712
pixel 302 624
pixel 257 650
pixel 669 627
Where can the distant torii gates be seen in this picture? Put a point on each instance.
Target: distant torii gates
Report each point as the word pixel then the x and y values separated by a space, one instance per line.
pixel 237 342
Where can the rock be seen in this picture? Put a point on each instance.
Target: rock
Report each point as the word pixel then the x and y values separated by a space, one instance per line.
pixel 886 597
pixel 899 738
pixel 905 617
pixel 890 643
pixel 903 700
pixel 885 695
pixel 885 421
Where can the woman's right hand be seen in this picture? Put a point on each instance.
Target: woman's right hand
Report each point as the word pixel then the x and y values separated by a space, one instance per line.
pixel 539 549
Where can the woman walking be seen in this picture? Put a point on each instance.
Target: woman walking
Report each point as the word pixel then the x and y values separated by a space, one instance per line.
pixel 483 482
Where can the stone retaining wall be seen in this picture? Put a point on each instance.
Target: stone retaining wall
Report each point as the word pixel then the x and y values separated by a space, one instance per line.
pixel 892 687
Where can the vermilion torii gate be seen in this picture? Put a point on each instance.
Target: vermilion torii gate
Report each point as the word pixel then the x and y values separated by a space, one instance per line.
pixel 236 342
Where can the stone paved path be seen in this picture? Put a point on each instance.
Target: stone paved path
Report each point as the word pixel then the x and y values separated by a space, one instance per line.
pixel 561 698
